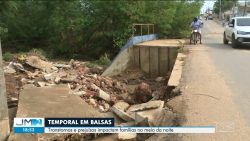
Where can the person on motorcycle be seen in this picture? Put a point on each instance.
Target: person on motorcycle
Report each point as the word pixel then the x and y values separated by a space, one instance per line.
pixel 197 24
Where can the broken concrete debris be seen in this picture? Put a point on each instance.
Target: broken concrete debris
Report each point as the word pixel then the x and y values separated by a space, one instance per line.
pixel 143 114
pixel 145 106
pixel 92 102
pixel 13 66
pixel 62 66
pixel 159 93
pixel 102 93
pixel 123 115
pixel 80 93
pixel 41 84
pixel 159 79
pixel 57 79
pixel 131 123
pixel 9 70
pixel 48 77
pixel 150 111
pixel 127 136
pixel 31 81
pixel 121 105
pixel 119 109
pixel 36 62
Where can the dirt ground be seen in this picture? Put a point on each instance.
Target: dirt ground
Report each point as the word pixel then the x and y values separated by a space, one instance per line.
pixel 134 76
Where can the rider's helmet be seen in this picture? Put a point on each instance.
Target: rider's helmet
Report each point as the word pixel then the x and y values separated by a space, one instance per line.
pixel 195 19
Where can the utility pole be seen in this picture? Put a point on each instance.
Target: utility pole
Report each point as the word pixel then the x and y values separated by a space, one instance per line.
pixel 220 11
pixel 245 8
pixel 4 117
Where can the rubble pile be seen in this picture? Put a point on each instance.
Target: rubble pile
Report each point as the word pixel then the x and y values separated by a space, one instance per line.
pixel 144 106
pixel 101 92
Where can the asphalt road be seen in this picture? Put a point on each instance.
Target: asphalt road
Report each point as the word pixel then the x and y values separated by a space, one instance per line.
pixel 233 65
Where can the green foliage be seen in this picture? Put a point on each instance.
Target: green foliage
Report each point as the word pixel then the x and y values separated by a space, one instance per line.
pixel 90 64
pixel 225 5
pixel 89 28
pixel 103 60
pixel 7 56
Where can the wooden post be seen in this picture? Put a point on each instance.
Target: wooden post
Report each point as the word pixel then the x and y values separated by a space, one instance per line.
pixel 141 30
pixel 133 30
pixel 153 29
pixel 4 117
pixel 148 29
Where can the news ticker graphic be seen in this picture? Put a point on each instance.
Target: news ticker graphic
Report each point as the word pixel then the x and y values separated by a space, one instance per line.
pixel 28 125
pixel 94 125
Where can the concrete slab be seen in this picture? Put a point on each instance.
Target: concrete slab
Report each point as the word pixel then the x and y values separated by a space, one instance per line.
pixel 163 43
pixel 175 77
pixel 52 102
pixel 145 106
pixel 127 136
pixel 150 114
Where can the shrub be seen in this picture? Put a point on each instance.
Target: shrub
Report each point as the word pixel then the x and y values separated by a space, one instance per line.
pixel 104 60
pixel 7 56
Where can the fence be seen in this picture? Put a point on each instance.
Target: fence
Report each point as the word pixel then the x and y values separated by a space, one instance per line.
pixel 142 29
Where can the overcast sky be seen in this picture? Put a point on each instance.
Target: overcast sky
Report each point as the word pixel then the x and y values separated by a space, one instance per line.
pixel 208 4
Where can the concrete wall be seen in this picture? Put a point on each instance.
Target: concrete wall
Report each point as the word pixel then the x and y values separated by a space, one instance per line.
pixel 124 59
pixel 154 60
pixel 176 73
pixel 4 117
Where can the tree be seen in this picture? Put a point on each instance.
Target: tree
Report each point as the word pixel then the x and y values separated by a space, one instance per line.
pixel 225 5
pixel 89 28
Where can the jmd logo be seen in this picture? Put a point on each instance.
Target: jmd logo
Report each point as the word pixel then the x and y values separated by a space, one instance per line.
pixel 28 122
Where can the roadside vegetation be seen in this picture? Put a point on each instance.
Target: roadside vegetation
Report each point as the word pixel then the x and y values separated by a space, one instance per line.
pixel 86 29
pixel 225 5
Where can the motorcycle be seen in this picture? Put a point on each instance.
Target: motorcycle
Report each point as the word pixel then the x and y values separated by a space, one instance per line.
pixel 195 37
